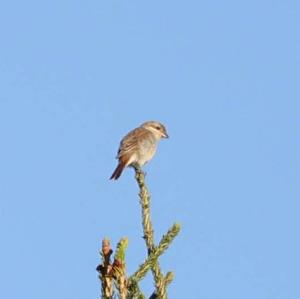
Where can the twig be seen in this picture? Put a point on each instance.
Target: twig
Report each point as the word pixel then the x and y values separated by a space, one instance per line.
pixel 105 270
pixel 154 255
pixel 160 283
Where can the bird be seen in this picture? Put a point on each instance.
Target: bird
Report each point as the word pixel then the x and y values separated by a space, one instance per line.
pixel 139 146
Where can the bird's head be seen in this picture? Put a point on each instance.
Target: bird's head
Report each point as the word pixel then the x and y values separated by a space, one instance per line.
pixel 157 128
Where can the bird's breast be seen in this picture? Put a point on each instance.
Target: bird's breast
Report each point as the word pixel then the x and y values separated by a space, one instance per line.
pixel 146 150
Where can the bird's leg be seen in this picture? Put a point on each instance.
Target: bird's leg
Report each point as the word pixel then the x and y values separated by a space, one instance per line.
pixel 138 170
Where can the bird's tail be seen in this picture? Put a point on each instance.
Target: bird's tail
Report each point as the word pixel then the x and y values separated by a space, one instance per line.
pixel 118 171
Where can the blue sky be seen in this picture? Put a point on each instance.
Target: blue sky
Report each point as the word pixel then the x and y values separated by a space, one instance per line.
pixel 223 76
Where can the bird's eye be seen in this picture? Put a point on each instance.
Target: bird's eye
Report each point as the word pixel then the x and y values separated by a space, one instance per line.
pixel 158 128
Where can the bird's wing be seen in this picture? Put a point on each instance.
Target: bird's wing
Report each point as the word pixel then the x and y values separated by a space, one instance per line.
pixel 131 140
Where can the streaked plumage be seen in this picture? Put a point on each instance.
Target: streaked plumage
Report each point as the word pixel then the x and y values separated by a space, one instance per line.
pixel 139 146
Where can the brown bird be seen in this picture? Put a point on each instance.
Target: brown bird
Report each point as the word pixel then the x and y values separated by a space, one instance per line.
pixel 139 146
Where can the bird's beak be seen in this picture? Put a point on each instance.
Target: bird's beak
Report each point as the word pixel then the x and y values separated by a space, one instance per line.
pixel 165 135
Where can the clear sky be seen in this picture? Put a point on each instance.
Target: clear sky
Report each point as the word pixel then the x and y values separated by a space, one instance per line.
pixel 223 76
